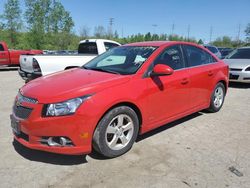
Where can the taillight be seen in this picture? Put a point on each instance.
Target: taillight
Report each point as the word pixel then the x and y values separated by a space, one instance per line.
pixel 35 66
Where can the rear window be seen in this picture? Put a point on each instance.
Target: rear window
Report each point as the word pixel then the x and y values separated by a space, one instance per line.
pixel 109 45
pixel 197 56
pixel 87 48
pixel 240 54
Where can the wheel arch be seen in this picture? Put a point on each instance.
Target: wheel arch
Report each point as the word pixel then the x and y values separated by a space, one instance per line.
pixel 224 83
pixel 131 105
pixel 125 103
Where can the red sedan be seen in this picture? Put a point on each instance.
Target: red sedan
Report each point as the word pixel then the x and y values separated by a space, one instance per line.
pixel 126 91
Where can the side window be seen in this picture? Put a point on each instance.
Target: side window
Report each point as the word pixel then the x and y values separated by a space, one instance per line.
pixel 196 56
pixel 87 48
pixel 1 47
pixel 172 56
pixel 109 45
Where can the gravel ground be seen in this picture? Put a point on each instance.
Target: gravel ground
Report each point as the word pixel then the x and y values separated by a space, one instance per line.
pixel 196 151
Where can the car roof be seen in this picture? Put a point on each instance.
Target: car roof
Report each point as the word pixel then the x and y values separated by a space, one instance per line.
pixel 159 43
pixel 245 47
pixel 95 40
pixel 208 45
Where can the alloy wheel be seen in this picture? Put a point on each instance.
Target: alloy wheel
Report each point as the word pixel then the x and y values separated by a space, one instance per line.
pixel 119 132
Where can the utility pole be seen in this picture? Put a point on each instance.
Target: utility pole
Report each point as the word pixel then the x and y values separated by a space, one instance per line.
pixel 238 36
pixel 173 27
pixel 111 22
pixel 188 31
pixel 211 34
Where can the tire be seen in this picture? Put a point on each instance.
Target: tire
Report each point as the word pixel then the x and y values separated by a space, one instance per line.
pixel 217 98
pixel 116 132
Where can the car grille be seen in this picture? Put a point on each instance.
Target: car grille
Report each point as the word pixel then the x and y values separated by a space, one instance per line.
pixel 22 112
pixel 235 69
pixel 233 77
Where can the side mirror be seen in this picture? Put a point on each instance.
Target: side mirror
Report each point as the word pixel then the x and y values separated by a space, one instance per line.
pixel 161 70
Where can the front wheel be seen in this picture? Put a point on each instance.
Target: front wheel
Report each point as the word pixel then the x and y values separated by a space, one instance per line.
pixel 116 132
pixel 217 98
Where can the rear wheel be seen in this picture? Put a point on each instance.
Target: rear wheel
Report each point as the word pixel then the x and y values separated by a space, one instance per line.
pixel 116 132
pixel 217 98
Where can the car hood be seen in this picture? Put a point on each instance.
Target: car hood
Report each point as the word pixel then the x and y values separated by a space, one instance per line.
pixel 70 84
pixel 237 63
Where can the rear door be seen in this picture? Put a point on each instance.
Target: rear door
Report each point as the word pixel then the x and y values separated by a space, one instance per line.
pixel 4 56
pixel 168 95
pixel 202 71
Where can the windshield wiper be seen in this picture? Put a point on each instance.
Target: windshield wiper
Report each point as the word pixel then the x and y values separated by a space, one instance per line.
pixel 100 69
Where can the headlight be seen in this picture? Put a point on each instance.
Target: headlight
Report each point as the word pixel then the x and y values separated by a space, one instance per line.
pixel 247 69
pixel 65 108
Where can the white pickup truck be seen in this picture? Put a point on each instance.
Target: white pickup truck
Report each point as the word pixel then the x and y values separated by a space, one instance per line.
pixel 34 66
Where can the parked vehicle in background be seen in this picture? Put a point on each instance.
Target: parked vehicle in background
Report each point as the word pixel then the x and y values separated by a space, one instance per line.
pixel 239 64
pixel 225 51
pixel 40 65
pixel 127 90
pixel 11 57
pixel 214 50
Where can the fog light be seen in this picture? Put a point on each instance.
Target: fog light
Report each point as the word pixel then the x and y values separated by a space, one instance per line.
pixel 51 142
pixel 65 142
pixel 56 141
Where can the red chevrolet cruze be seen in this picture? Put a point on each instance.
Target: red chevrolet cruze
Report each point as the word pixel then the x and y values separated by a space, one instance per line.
pixel 124 92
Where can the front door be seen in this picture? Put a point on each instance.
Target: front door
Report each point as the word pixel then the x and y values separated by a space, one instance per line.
pixel 168 95
pixel 4 56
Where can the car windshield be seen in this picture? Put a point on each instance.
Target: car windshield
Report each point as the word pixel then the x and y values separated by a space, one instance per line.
pixel 121 60
pixel 243 53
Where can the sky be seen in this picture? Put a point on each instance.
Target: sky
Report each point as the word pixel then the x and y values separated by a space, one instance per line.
pixel 203 18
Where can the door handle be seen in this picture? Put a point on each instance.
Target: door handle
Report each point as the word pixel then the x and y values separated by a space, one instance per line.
pixel 210 73
pixel 184 81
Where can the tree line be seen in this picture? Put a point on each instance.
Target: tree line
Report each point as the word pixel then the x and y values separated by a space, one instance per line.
pixel 45 24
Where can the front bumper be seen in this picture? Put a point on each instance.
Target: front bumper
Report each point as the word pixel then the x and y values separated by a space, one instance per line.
pixel 240 76
pixel 35 128
pixel 28 76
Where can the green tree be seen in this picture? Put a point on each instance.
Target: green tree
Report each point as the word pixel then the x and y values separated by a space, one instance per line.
pixel 84 32
pixel 49 24
pixel 200 42
pixel 37 12
pixel 116 35
pixel 247 31
pixel 12 18
pixel 99 32
pixel 224 41
pixel 155 37
pixel 148 37
pixel 60 19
